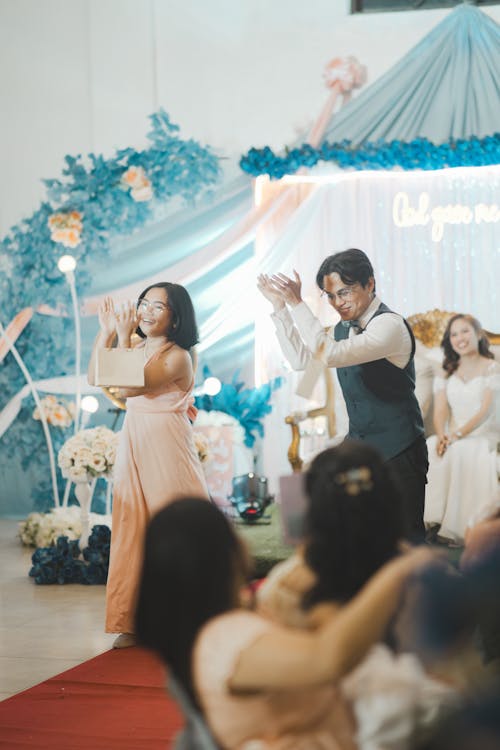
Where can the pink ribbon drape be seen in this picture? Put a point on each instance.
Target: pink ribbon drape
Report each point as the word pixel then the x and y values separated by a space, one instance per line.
pixel 14 329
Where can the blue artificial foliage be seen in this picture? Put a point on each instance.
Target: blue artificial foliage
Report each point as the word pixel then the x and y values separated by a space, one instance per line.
pixel 248 405
pixel 418 154
pixel 29 276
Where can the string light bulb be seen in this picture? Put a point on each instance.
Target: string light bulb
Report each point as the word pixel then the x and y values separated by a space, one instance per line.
pixel 66 263
pixel 212 386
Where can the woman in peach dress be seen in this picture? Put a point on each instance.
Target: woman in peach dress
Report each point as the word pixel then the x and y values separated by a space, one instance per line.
pixel 157 460
pixel 259 685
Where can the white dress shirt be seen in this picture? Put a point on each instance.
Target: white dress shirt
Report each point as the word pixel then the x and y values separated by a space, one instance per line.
pixel 300 334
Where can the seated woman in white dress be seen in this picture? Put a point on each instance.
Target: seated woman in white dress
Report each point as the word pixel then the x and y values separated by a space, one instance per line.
pixel 462 478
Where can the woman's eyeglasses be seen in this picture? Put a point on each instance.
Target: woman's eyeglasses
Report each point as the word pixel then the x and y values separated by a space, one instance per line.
pixel 157 307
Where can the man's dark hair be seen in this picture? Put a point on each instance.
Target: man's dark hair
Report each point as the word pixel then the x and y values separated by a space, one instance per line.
pixel 353 266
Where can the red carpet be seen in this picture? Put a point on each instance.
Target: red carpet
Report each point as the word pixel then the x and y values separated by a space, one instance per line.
pixel 115 701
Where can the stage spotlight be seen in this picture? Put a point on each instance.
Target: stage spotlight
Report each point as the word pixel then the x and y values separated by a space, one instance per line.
pixel 66 263
pixel 250 497
pixel 90 404
pixel 212 386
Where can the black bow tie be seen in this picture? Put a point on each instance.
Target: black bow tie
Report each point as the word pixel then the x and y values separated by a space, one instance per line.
pixel 355 324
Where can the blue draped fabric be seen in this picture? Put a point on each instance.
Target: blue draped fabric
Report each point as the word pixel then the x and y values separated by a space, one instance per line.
pixel 173 238
pixel 163 244
pixel 447 86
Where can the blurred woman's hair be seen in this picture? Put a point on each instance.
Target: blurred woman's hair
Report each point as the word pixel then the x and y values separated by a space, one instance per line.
pixel 353 521
pixel 193 561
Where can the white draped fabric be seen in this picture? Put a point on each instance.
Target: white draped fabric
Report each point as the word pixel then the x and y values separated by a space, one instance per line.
pixel 433 239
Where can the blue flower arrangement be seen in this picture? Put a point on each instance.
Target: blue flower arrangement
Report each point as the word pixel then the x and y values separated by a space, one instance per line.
pixel 418 154
pixel 61 564
pixel 248 405
pixel 96 199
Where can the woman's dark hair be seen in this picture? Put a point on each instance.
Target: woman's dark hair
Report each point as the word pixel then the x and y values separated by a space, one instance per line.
pixel 451 358
pixel 353 521
pixel 182 329
pixel 191 560
pixel 353 266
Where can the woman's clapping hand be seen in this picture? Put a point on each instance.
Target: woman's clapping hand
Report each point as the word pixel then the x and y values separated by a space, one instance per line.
pixel 107 318
pixel 126 323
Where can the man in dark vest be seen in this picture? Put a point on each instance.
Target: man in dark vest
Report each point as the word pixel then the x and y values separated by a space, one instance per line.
pixel 372 349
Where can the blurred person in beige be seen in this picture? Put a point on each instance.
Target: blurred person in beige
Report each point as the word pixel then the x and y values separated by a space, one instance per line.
pixel 258 684
pixel 350 530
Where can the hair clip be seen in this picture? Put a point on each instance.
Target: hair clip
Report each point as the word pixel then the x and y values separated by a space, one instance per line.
pixel 355 480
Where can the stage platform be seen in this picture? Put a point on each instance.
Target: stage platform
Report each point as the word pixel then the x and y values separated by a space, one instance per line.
pixel 265 541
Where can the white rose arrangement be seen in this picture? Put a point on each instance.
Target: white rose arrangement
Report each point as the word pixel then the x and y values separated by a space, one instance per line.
pixel 88 455
pixel 43 529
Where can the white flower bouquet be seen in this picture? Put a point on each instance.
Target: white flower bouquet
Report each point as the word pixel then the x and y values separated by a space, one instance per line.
pixel 88 455
pixel 43 529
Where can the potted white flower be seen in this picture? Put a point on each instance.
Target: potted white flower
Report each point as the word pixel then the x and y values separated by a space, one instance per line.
pixel 84 458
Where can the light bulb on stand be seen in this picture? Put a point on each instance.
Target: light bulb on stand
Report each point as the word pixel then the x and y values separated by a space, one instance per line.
pixel 212 386
pixel 89 405
pixel 66 264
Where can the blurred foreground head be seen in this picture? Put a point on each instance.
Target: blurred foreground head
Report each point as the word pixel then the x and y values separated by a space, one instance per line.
pixel 194 566
pixel 353 521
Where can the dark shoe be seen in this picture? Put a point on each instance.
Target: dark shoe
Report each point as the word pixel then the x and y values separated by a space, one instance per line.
pixel 431 533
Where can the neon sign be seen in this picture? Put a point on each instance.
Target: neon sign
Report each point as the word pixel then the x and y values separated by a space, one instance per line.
pixel 405 215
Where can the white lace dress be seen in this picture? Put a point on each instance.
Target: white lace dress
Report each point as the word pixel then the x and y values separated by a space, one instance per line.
pixel 463 483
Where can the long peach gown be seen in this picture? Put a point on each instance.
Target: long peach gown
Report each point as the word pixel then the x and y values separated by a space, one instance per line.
pixel 317 718
pixel 156 463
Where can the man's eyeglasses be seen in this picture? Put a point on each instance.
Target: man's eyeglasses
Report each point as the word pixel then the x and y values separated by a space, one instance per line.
pixel 157 307
pixel 342 294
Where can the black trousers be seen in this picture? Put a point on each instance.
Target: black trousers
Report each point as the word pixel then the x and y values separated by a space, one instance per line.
pixel 409 471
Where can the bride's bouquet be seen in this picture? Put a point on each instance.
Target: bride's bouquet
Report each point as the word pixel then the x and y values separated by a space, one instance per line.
pixel 88 455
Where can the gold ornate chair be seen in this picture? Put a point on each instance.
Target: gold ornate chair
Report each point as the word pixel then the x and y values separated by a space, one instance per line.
pixel 320 420
pixel 112 394
pixel 428 329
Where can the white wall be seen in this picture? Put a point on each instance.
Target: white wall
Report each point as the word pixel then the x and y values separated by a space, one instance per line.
pixel 81 75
